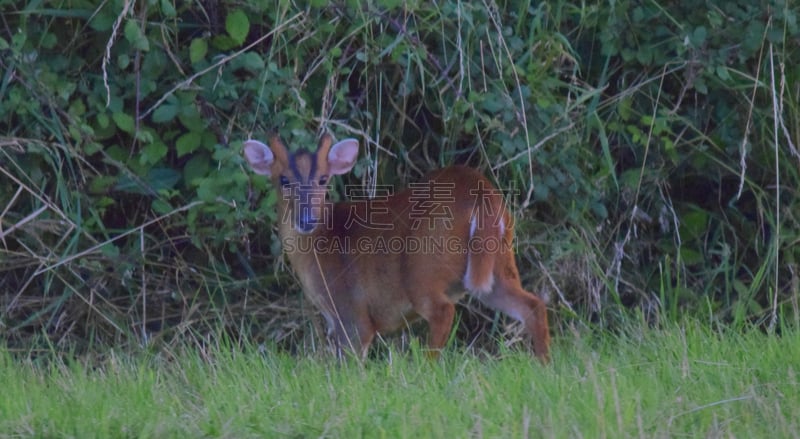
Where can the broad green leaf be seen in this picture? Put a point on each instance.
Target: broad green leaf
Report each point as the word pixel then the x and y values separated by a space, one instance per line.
pixel 123 61
pixel 49 40
pixel 690 256
pixel 103 20
pixel 101 184
pixel 190 118
pixel 698 37
pixel 599 209
pixel 223 42
pixel 196 168
pixel 103 120
pixel 237 25
pixel 161 207
pixel 77 108
pixel 153 152
pixel 206 190
pixel 131 32
pixel 135 36
pixel 109 249
pixel 695 223
pixel 146 136
pixel 165 113
pixel 163 178
pixel 188 143
pixel 105 201
pixel 198 49
pixel 75 133
pixel 115 152
pixel 700 85
pixel 124 121
pixel 168 9
pixel 253 62
pixel 493 103
pixel 722 73
pixel 92 148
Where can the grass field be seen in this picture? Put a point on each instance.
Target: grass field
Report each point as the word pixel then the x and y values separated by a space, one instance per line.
pixel 686 381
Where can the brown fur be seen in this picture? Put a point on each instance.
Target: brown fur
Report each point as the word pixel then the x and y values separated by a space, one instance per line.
pixel 368 278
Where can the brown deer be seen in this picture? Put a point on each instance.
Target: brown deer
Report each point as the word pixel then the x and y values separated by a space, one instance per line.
pixel 372 266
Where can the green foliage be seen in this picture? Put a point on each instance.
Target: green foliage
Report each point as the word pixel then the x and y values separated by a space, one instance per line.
pixel 651 147
pixel 694 98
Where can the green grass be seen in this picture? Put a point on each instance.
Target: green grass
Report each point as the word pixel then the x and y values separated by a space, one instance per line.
pixel 688 381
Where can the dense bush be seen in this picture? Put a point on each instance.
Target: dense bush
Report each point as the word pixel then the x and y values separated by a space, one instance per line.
pixel 649 149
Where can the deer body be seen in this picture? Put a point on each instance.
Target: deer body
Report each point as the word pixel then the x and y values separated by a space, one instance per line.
pixel 372 266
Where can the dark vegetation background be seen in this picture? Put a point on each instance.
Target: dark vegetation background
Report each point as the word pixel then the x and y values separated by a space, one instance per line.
pixel 649 149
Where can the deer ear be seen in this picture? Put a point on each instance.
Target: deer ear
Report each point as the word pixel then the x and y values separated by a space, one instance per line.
pixel 259 156
pixel 342 156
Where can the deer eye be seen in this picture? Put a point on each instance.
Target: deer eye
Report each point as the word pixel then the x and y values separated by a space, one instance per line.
pixel 284 181
pixel 323 180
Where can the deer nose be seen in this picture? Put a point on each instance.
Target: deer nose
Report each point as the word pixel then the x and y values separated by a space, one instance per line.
pixel 309 209
pixel 307 218
pixel 306 224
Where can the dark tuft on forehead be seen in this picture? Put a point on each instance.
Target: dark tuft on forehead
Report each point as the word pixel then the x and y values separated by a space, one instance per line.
pixel 303 164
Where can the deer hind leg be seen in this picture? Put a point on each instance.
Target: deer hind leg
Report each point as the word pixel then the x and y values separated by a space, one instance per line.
pixel 509 297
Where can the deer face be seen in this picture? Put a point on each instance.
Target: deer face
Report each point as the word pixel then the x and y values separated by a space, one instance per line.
pixel 303 177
